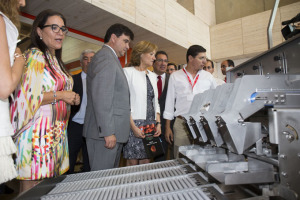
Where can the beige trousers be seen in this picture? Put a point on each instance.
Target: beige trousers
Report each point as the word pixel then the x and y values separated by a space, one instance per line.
pixel 181 136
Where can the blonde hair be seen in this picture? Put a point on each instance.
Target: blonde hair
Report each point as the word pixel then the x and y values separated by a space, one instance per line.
pixel 140 48
pixel 11 9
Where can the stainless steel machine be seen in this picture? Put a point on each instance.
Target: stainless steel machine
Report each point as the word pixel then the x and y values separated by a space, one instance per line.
pixel 249 129
pixel 247 144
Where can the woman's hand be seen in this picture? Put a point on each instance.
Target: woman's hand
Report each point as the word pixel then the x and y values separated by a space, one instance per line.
pixel 158 130
pixel 70 97
pixel 138 132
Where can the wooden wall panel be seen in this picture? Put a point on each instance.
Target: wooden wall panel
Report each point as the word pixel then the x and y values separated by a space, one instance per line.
pixel 187 4
pixel 176 23
pixel 227 10
pixel 290 11
pixel 205 10
pixel 150 15
pixel 198 33
pixel 253 39
pixel 255 27
pixel 165 18
pixel 73 47
pixel 226 39
pixel 121 8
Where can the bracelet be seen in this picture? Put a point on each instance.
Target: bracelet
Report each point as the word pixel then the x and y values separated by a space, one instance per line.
pixel 157 123
pixel 17 55
pixel 54 95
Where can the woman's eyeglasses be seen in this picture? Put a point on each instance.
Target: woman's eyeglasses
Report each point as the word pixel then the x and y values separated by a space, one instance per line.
pixel 55 28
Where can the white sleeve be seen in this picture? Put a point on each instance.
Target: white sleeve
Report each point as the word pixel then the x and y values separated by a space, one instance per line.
pixel 170 99
pixel 214 82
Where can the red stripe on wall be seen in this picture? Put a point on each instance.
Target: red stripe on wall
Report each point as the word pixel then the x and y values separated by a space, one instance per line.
pixel 122 59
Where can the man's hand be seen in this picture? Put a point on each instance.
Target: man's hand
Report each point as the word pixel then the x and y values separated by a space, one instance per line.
pixel 169 135
pixel 110 141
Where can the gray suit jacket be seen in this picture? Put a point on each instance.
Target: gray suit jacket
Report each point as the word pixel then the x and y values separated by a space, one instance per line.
pixel 108 106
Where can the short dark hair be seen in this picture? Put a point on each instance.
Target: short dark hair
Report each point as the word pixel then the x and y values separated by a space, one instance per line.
pixel 193 51
pixel 230 62
pixel 118 30
pixel 212 63
pixel 161 52
pixel 172 64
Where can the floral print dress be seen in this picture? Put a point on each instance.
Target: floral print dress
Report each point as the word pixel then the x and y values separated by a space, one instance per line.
pixel 40 130
pixel 134 148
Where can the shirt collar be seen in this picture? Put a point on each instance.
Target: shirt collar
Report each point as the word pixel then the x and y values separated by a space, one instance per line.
pixel 83 75
pixel 162 76
pixel 199 71
pixel 111 49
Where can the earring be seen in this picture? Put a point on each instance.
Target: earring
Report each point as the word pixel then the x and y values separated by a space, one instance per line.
pixel 41 38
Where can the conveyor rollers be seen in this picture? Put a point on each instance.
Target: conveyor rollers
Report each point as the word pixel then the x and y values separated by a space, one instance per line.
pixel 164 178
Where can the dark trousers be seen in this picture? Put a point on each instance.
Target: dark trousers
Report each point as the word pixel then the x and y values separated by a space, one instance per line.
pixel 76 142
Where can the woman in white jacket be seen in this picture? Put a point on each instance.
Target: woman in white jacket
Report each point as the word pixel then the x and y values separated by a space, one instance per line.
pixel 12 63
pixel 145 110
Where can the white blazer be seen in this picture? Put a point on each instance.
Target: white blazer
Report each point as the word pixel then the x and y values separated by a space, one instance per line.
pixel 138 92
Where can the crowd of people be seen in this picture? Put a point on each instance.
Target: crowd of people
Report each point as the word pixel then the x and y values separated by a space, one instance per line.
pixel 103 110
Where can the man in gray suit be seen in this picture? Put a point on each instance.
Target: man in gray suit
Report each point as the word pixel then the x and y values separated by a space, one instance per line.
pixel 106 125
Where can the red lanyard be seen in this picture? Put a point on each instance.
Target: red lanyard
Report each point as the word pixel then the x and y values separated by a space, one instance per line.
pixel 190 79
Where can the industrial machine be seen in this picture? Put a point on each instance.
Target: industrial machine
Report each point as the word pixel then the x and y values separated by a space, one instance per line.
pixel 247 144
pixel 249 135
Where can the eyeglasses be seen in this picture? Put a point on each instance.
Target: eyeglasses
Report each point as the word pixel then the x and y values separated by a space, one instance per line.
pixel 162 60
pixel 55 28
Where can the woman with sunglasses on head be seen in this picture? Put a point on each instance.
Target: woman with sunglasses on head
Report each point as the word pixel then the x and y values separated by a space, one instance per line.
pixel 41 107
pixel 11 67
pixel 145 111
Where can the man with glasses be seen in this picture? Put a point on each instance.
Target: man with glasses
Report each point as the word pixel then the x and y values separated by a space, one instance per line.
pixel 171 68
pixel 107 119
pixel 75 127
pixel 183 85
pixel 159 68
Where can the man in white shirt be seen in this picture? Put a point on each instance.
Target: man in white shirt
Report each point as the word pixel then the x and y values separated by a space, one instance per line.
pixel 75 127
pixel 183 85
pixel 209 67
pixel 160 68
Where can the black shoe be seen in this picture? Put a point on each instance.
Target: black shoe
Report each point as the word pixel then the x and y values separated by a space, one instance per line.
pixel 4 189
